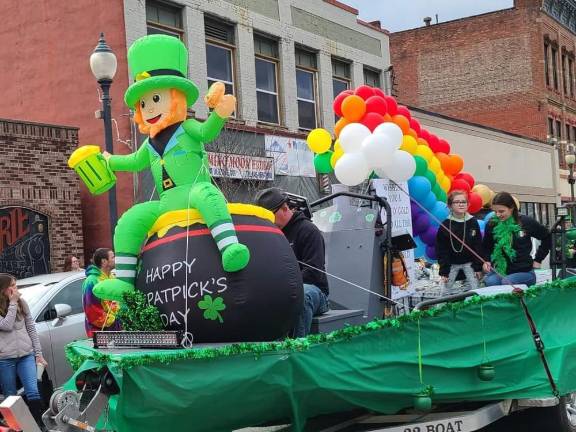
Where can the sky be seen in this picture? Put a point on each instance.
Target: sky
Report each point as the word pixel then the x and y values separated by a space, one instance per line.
pixel 397 15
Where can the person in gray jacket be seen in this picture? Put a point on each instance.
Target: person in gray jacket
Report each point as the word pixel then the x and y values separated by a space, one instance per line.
pixel 20 349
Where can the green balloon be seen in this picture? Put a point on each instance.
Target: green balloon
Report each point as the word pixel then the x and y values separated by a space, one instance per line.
pixel 430 176
pixel 421 166
pixel 322 163
pixel 571 234
pixel 442 197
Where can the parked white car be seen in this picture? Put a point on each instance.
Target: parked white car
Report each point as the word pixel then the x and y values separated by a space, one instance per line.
pixel 55 302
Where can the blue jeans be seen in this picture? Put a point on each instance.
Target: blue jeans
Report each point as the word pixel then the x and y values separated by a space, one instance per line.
pixel 315 303
pixel 523 278
pixel 25 368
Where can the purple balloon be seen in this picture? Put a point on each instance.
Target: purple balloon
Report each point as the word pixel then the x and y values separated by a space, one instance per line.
pixel 429 236
pixel 415 209
pixel 431 252
pixel 420 224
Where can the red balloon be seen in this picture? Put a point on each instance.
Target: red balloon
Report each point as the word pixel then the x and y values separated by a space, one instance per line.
pixel 459 184
pixel 402 110
pixel 434 144
pixel 376 104
pixel 337 104
pixel 379 92
pixel 444 146
pixel 474 202
pixel 423 133
pixel 467 177
pixel 392 105
pixel 415 124
pixel 364 91
pixel 371 120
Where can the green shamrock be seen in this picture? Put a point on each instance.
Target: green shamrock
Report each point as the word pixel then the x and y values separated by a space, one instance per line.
pixel 212 307
pixel 335 217
pixel 370 217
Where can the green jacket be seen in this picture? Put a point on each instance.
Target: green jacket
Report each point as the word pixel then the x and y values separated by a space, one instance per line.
pixel 183 158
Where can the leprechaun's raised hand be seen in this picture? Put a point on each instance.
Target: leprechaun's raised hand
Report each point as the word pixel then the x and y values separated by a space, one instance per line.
pixel 215 94
pixel 223 104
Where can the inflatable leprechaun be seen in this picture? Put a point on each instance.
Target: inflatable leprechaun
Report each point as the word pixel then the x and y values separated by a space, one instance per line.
pixel 174 151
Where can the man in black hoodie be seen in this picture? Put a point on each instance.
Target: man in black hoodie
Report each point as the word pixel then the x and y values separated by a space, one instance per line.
pixel 308 246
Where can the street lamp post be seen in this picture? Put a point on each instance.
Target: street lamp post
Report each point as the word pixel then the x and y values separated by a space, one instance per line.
pixel 570 159
pixel 103 64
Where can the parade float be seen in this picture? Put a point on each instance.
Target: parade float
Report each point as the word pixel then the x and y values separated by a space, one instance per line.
pixel 236 366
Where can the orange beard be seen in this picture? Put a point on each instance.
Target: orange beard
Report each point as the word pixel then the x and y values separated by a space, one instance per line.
pixel 178 112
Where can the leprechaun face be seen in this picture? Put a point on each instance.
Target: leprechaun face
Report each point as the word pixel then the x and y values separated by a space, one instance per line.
pixel 155 106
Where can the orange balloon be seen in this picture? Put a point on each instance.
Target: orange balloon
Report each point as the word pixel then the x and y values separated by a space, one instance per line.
pixel 413 133
pixel 455 164
pixel 422 141
pixel 387 118
pixel 339 126
pixel 353 108
pixel 444 160
pixel 403 122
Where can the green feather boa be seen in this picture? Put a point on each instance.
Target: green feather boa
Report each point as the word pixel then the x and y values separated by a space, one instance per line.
pixel 503 233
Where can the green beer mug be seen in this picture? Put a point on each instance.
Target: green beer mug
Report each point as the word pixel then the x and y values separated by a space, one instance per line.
pixel 93 169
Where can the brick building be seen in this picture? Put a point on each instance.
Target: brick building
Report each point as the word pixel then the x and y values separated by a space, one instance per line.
pixel 283 59
pixel 511 69
pixel 40 210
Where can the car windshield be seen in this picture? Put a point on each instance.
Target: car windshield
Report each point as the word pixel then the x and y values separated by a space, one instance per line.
pixel 32 294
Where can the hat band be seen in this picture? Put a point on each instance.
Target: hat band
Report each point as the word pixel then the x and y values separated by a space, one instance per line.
pixel 158 72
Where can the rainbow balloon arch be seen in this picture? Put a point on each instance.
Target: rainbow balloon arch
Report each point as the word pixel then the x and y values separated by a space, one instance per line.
pixel 376 137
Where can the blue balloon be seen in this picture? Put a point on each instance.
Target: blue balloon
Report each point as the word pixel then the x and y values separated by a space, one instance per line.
pixel 420 249
pixel 482 225
pixel 489 216
pixel 440 212
pixel 430 201
pixel 419 187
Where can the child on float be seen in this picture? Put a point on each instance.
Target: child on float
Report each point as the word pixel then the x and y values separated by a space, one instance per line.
pixel 508 244
pixel 461 249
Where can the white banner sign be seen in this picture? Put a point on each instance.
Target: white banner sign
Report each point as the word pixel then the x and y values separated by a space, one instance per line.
pixel 401 224
pixel 241 166
pixel 292 156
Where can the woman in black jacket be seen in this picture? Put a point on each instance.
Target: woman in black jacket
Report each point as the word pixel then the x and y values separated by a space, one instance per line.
pixel 508 244
pixel 453 255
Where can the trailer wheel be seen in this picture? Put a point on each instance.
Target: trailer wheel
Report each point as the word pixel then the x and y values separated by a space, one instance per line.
pixel 558 418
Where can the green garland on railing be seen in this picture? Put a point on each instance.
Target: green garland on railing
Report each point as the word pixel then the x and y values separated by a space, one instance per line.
pixel 503 233
pixel 302 344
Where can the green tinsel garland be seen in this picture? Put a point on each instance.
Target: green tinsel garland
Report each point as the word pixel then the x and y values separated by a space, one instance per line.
pixel 137 315
pixel 503 233
pixel 76 357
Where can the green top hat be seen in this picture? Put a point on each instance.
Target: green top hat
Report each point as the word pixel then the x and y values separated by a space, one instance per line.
pixel 158 62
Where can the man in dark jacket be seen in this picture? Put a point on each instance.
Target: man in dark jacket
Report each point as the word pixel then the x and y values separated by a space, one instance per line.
pixel 308 246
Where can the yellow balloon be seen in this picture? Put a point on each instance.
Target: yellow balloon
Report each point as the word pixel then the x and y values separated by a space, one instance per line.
pixel 319 140
pixel 446 183
pixel 434 165
pixel 485 193
pixel 517 202
pixel 424 151
pixel 409 144
pixel 337 146
pixel 335 156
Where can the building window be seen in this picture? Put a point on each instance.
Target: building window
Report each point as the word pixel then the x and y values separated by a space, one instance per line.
pixel 546 63
pixel 554 51
pixel 164 18
pixel 306 93
pixel 340 76
pixel 220 53
pixel 571 76
pixel 372 77
pixel 267 60
pixel 550 127
pixel 573 134
pixel 564 74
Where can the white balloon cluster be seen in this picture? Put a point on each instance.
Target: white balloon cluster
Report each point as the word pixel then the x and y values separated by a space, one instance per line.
pixel 379 151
